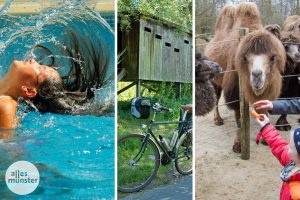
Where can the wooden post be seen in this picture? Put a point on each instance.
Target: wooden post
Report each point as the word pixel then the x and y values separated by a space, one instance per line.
pixel 138 88
pixel 180 90
pixel 244 111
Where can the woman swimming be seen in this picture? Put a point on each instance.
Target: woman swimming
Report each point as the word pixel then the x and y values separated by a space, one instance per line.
pixel 22 80
pixel 46 88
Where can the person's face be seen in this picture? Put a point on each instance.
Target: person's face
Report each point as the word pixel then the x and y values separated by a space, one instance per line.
pixel 30 74
pixel 292 150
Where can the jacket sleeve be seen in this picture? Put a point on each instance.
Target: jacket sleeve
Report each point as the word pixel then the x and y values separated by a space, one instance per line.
pixel 278 145
pixel 286 107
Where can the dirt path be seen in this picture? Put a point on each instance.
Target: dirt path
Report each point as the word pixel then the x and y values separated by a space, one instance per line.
pixel 221 174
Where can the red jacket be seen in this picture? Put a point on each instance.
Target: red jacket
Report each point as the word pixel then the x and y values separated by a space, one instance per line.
pixel 279 147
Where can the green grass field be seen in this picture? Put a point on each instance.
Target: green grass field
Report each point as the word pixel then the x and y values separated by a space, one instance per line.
pixel 167 95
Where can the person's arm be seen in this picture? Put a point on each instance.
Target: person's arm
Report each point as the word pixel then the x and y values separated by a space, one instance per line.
pixel 8 111
pixel 278 107
pixel 286 107
pixel 278 145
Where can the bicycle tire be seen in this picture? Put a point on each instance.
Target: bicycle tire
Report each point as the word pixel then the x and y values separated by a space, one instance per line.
pixel 184 154
pixel 135 177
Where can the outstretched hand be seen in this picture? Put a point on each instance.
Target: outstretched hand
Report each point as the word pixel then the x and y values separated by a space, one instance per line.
pixel 263 105
pixel 263 120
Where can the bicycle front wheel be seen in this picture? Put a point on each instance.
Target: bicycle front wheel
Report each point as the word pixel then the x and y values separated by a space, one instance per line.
pixel 138 162
pixel 184 154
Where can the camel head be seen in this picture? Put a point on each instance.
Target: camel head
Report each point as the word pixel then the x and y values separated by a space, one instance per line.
pixel 205 69
pixel 260 59
pixel 291 43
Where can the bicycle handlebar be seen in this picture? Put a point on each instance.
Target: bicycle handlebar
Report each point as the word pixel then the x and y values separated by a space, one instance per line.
pixel 159 108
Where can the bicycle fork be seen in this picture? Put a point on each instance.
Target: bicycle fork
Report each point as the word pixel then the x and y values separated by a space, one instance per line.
pixel 141 152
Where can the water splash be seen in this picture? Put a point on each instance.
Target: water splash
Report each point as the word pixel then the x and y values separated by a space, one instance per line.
pixel 21 34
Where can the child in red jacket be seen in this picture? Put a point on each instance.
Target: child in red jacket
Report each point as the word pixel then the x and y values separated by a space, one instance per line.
pixel 288 155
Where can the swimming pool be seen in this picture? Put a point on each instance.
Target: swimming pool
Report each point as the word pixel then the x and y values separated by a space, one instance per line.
pixel 74 154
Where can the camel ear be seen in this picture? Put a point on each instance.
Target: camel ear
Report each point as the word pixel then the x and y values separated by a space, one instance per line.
pixel 28 92
pixel 274 29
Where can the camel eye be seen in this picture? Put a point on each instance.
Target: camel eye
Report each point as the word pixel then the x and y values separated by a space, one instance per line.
pixel 272 59
pixel 286 47
pixel 245 59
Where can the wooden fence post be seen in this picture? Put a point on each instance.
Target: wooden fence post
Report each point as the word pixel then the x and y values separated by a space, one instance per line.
pixel 138 88
pixel 244 111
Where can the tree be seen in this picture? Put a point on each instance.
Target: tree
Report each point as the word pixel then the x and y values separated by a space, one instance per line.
pixel 176 11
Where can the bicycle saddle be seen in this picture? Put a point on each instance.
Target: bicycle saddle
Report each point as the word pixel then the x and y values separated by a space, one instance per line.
pixel 188 107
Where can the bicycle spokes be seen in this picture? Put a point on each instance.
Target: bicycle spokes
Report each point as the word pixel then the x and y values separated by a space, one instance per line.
pixel 138 162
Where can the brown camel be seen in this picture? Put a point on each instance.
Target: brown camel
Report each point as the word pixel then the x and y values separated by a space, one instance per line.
pixel 205 96
pixel 292 24
pixel 259 58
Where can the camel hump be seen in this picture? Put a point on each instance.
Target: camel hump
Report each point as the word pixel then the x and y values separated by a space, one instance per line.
pixel 225 19
pixel 247 9
pixel 291 37
pixel 275 29
pixel 247 15
pixel 291 23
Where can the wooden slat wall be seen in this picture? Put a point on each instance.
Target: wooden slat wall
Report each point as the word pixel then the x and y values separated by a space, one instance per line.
pixel 130 60
pixel 156 52
pixel 167 58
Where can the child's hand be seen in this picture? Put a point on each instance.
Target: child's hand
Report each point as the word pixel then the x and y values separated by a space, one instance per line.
pixel 263 105
pixel 263 120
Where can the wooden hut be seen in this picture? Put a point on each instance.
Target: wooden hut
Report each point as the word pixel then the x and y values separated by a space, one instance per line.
pixel 155 50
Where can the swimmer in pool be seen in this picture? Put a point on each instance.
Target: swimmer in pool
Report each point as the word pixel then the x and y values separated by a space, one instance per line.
pixel 44 86
pixel 23 79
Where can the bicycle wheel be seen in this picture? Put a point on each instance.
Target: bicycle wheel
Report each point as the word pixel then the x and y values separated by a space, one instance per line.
pixel 138 162
pixel 184 154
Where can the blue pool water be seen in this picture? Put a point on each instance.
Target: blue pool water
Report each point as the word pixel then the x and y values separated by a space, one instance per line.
pixel 74 154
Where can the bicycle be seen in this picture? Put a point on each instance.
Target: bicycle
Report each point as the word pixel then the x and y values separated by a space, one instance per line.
pixel 140 155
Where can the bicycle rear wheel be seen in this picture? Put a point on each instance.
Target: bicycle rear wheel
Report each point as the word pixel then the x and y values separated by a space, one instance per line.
pixel 138 162
pixel 184 154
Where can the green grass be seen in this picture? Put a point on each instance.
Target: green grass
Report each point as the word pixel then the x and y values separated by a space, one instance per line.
pixel 167 95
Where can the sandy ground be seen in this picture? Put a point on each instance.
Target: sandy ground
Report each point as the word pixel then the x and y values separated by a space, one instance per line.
pixel 222 174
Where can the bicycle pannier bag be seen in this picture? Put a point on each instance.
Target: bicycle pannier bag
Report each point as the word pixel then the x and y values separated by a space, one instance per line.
pixel 140 107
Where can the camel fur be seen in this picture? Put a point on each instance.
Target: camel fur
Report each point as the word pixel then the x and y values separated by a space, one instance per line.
pixel 205 96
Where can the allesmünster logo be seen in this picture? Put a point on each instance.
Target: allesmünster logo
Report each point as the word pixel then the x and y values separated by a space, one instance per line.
pixel 22 177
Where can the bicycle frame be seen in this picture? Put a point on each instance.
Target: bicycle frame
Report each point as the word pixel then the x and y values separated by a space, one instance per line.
pixel 148 132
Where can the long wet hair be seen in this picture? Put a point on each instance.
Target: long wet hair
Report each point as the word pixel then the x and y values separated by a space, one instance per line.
pixel 88 71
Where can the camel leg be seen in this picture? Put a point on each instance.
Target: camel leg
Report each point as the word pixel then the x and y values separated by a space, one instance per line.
pixel 237 141
pixel 217 118
pixel 282 121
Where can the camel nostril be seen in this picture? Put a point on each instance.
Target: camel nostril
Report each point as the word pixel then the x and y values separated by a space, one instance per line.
pixel 297 55
pixel 216 68
pixel 257 73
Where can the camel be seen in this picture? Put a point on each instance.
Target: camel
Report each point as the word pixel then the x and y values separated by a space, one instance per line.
pixel 259 57
pixel 205 96
pixel 292 24
pixel 290 85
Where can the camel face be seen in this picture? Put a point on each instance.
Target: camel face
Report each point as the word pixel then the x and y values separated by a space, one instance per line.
pixel 205 69
pixel 261 58
pixel 214 67
pixel 258 66
pixel 292 51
